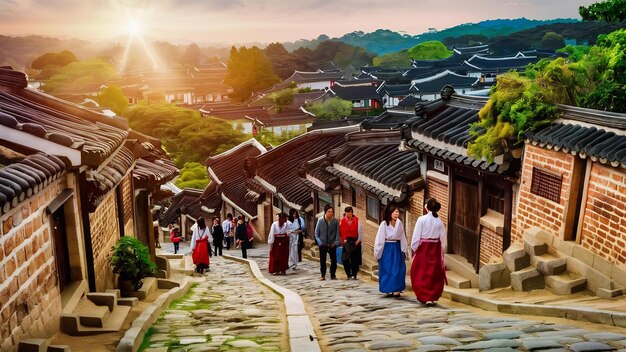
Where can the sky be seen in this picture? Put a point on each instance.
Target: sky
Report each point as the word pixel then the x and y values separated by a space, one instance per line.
pixel 263 21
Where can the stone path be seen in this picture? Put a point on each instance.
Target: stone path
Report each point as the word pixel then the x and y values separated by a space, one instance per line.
pixel 354 316
pixel 227 310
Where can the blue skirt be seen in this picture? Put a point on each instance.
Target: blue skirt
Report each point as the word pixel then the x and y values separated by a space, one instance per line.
pixel 391 269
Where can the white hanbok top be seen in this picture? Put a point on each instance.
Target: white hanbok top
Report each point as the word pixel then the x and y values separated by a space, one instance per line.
pixel 429 227
pixel 198 234
pixel 389 233
pixel 276 229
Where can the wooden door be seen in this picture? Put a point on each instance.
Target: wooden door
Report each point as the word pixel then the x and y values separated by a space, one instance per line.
pixel 465 236
pixel 61 254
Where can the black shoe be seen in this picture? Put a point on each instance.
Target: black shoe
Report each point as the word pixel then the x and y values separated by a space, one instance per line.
pixel 333 278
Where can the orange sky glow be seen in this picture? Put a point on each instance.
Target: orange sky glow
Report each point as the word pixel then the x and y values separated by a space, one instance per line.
pixel 247 21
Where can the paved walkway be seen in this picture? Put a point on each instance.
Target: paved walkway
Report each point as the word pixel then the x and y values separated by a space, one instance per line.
pixel 353 315
pixel 227 310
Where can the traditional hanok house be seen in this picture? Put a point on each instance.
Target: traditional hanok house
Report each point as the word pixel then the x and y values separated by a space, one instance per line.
pixel 226 171
pixel 488 68
pixel 392 94
pixel 573 187
pixel 365 81
pixel 429 88
pixel 367 172
pixel 362 97
pixel 476 195
pixel 273 177
pixel 60 225
pixel 482 49
pixel 184 210
pixel 318 80
pixel 284 121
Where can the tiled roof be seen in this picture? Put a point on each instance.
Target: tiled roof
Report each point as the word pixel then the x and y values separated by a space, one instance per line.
pixel 434 84
pixel 185 202
pixel 211 198
pixel 356 92
pixel 378 165
pixel 233 111
pixel 389 119
pixel 476 49
pixel 501 64
pixel 96 136
pixel 598 135
pixel 409 102
pixel 396 90
pixel 286 117
pixel 149 174
pixel 279 166
pixel 103 179
pixel 367 80
pixel 226 170
pixel 443 131
pixel 318 76
pixel 23 176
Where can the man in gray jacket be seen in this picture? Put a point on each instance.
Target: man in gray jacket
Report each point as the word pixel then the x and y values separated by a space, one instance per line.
pixel 327 237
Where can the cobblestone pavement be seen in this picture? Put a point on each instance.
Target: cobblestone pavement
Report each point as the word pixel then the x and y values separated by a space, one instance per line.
pixel 354 316
pixel 227 310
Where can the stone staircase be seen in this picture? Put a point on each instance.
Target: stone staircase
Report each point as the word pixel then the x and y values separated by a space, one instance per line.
pixel 86 313
pixel 536 265
pixel 460 273
pixel 40 345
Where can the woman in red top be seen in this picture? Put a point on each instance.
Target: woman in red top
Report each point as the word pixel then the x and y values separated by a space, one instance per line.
pixel 175 238
pixel 351 232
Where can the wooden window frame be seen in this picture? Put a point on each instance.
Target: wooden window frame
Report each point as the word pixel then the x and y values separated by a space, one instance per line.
pixel 546 184
pixel 367 208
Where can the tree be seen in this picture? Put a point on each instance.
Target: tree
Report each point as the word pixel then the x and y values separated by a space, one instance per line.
pixel 81 73
pixel 552 41
pixel 58 60
pixel 193 175
pixel 282 98
pixel 270 139
pixel 186 135
pixel 331 109
pixel 608 11
pixel 193 56
pixel 113 98
pixel 249 71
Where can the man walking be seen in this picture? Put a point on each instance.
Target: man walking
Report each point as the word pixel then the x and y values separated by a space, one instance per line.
pixel 226 229
pixel 327 237
pixel 351 238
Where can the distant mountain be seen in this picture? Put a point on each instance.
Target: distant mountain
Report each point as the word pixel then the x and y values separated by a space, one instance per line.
pixel 19 52
pixel 383 41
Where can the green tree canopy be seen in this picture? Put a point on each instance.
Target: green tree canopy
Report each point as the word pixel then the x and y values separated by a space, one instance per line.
pixel 81 73
pixel 61 59
pixel 282 98
pixel 113 98
pixel 186 135
pixel 609 11
pixel 331 109
pixel 249 71
pixel 193 175
pixel 269 138
pixel 552 41
pixel 432 50
pixel 193 55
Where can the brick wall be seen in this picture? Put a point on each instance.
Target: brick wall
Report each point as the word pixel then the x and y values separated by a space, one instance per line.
pixel 416 209
pixel 104 234
pixel 370 228
pixel 490 245
pixel 535 211
pixel 127 199
pixel 30 299
pixel 604 219
pixel 439 190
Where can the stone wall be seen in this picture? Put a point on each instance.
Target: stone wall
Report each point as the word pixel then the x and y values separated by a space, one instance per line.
pixel 30 299
pixel 536 211
pixel 438 189
pixel 490 245
pixel 604 219
pixel 104 234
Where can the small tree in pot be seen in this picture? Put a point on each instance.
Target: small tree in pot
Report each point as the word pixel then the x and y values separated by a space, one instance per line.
pixel 131 261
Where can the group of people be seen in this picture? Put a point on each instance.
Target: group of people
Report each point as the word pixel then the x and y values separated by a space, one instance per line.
pixel 220 235
pixel 390 248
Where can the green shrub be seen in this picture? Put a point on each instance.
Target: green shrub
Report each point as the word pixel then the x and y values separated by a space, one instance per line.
pixel 131 261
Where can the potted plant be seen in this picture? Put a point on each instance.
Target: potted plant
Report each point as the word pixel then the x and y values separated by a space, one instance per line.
pixel 131 261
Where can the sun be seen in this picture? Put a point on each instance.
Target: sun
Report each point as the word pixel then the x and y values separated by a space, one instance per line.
pixel 134 27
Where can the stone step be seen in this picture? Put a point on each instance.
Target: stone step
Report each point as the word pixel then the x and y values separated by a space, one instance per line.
pixel 527 279
pixel 535 247
pixel 103 299
pixel 33 345
pixel 462 267
pixel 494 275
pixel 149 286
pixel 548 264
pixel 94 316
pixel 566 283
pixel 114 291
pixel 128 301
pixel 59 348
pixel 456 280
pixel 516 258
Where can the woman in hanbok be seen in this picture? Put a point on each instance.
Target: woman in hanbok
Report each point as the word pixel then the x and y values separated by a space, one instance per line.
pixel 200 246
pixel 429 243
pixel 295 237
pixel 390 249
pixel 279 242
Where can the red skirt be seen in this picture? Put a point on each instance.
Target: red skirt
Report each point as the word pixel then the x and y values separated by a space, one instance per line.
pixel 427 271
pixel 279 254
pixel 201 252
